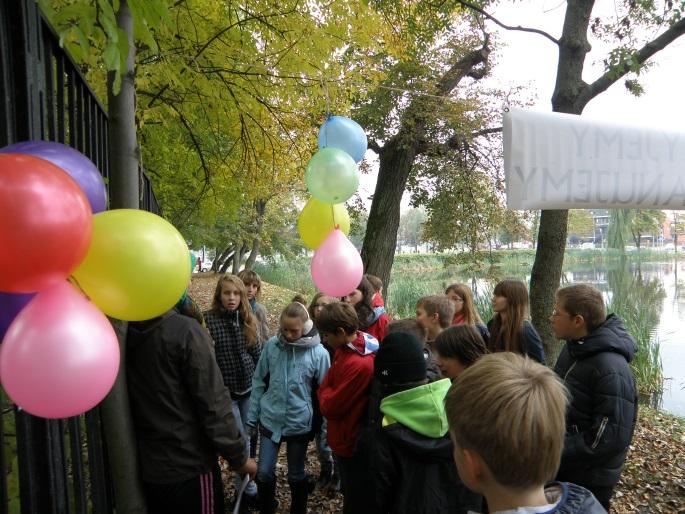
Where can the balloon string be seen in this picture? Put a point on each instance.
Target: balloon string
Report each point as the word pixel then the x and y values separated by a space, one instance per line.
pixel 75 282
pixel 333 216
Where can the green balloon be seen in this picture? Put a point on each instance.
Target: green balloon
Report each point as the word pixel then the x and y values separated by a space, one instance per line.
pixel 332 175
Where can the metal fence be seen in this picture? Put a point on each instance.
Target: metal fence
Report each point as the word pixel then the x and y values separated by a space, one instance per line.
pixel 50 466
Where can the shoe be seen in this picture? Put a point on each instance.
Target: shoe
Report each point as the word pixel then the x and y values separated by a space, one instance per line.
pixel 325 475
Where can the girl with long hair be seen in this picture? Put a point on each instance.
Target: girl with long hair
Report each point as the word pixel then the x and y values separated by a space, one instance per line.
pixel 233 327
pixel 465 312
pixel 510 329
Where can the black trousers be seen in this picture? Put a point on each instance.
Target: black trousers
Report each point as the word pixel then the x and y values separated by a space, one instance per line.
pixel 603 495
pixel 200 495
pixel 354 483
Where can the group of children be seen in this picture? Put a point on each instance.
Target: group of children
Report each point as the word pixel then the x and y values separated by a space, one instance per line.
pixel 437 413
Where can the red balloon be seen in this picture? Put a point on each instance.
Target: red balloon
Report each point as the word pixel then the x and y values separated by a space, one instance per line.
pixel 45 224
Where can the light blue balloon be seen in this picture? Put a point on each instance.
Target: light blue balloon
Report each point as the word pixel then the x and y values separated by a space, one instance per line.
pixel 345 134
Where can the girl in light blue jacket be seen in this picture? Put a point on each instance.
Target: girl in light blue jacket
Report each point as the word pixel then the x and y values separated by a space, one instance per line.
pixel 290 366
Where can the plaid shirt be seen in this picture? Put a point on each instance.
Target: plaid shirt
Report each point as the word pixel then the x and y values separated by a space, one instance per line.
pixel 236 360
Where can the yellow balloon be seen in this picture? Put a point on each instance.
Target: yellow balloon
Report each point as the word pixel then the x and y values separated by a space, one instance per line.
pixel 317 219
pixel 136 267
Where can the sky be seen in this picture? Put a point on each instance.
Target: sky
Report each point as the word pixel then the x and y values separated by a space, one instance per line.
pixel 530 60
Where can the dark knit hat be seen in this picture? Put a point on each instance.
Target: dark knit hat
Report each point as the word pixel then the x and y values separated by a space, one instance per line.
pixel 400 359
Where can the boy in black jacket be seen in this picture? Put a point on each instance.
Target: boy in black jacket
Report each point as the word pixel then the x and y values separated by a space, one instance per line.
pixel 411 453
pixel 182 416
pixel 594 364
pixel 506 418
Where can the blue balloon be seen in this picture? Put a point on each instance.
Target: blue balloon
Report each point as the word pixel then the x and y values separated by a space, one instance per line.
pixel 345 134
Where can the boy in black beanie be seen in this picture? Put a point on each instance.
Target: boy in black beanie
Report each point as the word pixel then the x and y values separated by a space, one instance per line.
pixel 411 460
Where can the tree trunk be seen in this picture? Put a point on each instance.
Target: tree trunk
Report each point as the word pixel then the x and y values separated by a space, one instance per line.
pixel 238 257
pixel 546 274
pixel 396 161
pixel 124 184
pixel 121 438
pixel 380 240
pixel 260 207
pixel 549 256
pixel 226 263
pixel 221 257
pixel 124 193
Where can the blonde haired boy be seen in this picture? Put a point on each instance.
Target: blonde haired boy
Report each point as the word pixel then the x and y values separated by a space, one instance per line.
pixel 506 415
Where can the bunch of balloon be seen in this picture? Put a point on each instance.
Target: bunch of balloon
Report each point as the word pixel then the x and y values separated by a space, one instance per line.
pixel 59 355
pixel 332 177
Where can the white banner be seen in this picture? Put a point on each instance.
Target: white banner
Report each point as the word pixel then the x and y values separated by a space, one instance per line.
pixel 562 161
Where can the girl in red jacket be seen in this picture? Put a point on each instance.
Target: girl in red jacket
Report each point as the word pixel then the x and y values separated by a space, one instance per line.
pixel 372 320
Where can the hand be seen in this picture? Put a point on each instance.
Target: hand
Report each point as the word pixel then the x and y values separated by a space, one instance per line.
pixel 250 430
pixel 249 468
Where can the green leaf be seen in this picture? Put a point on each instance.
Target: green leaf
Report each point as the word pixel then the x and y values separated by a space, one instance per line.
pixel 108 19
pixel 112 56
pixel 82 41
pixel 123 49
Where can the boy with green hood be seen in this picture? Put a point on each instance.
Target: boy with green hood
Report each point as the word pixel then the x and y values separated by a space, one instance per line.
pixel 411 461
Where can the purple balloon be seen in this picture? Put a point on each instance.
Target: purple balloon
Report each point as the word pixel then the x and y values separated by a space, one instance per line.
pixel 77 165
pixel 10 305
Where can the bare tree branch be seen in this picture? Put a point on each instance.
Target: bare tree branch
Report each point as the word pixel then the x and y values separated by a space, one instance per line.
pixel 519 28
pixel 374 146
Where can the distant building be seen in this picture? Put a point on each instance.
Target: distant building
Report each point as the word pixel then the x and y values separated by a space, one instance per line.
pixel 601 220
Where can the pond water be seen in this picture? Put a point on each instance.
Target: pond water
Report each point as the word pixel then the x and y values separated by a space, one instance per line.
pixel 650 296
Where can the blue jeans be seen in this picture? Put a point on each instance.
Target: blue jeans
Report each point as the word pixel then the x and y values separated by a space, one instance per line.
pixel 239 406
pixel 268 455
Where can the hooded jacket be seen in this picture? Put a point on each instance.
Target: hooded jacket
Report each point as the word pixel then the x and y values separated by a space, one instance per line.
pixel 284 406
pixel 377 324
pixel 344 392
pixel 603 409
pixel 181 408
pixel 411 461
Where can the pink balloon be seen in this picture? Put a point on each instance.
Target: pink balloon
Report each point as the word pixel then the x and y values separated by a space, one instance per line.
pixel 337 266
pixel 60 355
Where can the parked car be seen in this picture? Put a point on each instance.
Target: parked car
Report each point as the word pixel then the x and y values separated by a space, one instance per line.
pixel 206 265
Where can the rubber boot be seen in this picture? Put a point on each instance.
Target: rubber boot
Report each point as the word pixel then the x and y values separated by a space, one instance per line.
pixel 299 492
pixel 266 496
pixel 326 474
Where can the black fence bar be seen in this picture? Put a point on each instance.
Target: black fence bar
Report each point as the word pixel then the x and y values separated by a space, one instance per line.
pixel 78 479
pixel 57 467
pixel 96 462
pixel 34 489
